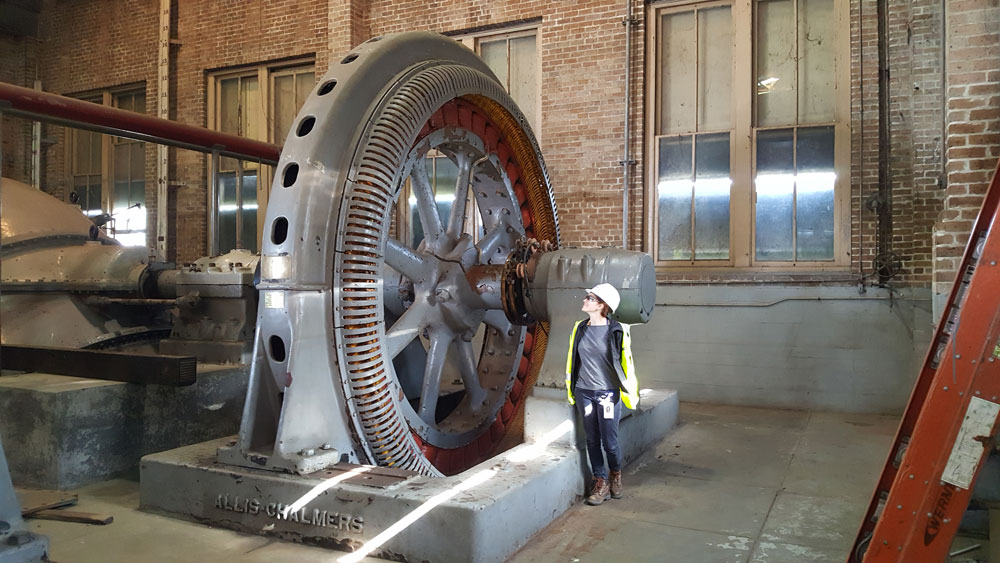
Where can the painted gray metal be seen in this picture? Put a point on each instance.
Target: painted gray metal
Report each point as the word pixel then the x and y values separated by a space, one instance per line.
pixel 576 270
pixel 346 157
pixel 17 544
pixel 490 511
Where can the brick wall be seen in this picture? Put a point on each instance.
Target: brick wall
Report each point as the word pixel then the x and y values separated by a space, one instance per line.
pixel 973 127
pixel 582 47
pixel 87 47
pixel 17 66
pixel 915 108
pixel 219 35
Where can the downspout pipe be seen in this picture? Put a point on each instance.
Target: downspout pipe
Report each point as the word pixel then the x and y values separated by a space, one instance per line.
pixel 627 161
pixel 885 258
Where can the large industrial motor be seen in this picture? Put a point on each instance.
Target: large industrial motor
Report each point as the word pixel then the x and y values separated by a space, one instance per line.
pixel 66 284
pixel 373 349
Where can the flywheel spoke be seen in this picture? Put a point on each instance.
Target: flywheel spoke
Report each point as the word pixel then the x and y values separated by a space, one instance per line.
pixel 404 330
pixel 456 223
pixel 426 206
pixel 497 237
pixel 405 260
pixel 431 388
pixel 470 375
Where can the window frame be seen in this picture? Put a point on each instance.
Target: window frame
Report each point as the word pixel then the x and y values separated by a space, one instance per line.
pixel 264 73
pixel 743 145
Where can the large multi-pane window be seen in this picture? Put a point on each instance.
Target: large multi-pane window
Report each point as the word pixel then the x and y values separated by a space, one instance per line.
pixel 750 137
pixel 128 187
pixel 513 58
pixel 108 174
pixel 259 103
pixel 87 169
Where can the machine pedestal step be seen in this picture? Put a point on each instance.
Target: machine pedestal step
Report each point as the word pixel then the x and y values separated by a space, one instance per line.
pixel 483 514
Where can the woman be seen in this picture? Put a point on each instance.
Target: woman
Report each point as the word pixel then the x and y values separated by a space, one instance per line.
pixel 600 377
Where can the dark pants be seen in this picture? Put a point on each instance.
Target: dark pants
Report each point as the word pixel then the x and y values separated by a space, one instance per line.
pixel 599 429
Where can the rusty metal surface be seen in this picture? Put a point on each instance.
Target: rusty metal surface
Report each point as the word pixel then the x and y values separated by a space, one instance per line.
pixel 61 110
pixel 377 477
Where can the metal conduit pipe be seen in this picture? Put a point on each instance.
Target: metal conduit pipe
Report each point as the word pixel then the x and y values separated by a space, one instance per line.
pixel 61 110
pixel 885 259
pixel 626 161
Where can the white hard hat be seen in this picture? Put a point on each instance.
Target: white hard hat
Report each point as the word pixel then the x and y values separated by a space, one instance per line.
pixel 607 293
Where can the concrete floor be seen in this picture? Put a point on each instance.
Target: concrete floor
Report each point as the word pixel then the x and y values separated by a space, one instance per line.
pixel 730 484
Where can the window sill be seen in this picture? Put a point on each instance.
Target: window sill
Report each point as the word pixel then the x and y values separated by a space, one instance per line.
pixel 728 276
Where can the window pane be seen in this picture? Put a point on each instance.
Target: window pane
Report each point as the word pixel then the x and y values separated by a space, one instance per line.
pixel 95 153
pixel 495 54
pixel 227 212
pixel 284 106
pixel 120 197
pixel 416 227
pixel 251 109
pixel 677 73
pixel 137 193
pixel 93 206
pixel 715 72
pixel 229 106
pixel 711 197
pixel 125 102
pixel 445 175
pixel 673 189
pixel 249 230
pixel 228 207
pixel 524 81
pixel 81 152
pixel 775 62
pixel 139 103
pixel 304 82
pixel 775 188
pixel 817 66
pixel 138 162
pixel 814 183
pixel 229 115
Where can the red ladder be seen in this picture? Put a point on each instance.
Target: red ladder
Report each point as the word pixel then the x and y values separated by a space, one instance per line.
pixel 950 420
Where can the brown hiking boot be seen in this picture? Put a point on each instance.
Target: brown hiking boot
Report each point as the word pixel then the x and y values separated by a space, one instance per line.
pixel 600 493
pixel 616 485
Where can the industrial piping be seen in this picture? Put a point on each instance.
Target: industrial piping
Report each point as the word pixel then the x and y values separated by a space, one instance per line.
pixel 626 161
pixel 61 110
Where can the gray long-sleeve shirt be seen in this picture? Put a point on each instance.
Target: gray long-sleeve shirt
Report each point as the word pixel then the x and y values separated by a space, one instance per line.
pixel 596 372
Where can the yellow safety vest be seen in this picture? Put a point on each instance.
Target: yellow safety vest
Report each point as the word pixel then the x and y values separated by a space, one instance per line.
pixel 629 385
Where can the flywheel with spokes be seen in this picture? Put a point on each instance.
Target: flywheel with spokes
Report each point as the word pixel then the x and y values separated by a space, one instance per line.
pixel 401 276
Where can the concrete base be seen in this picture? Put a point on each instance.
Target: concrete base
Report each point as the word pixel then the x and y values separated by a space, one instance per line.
pixel 23 547
pixel 64 432
pixel 483 514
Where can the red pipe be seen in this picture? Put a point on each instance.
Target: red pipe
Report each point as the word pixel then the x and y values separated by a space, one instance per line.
pixel 52 108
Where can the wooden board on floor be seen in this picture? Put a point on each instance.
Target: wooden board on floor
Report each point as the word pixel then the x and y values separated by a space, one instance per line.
pixel 33 500
pixel 61 515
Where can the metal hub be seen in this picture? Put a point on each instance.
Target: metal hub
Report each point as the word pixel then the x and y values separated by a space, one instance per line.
pixel 446 312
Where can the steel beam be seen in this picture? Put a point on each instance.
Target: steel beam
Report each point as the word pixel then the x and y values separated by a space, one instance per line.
pixel 175 371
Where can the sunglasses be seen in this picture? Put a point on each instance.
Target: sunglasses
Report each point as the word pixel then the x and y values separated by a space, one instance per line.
pixel 593 298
